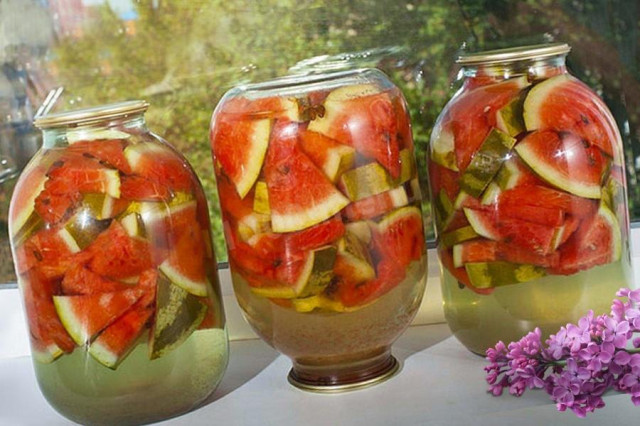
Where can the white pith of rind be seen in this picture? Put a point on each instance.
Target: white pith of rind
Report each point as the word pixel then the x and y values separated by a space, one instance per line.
pixel 476 224
pixel 398 197
pixel 65 313
pixel 130 224
pixel 68 240
pixel 258 143
pixel 23 216
pixel 533 101
pixel 360 229
pixel 616 235
pixel 289 222
pixel 443 147
pixel 103 354
pixel 397 214
pixel 47 354
pixel 197 288
pixel 112 178
pixel 74 136
pixel 331 166
pixel 325 124
pixel 457 256
pixel 554 177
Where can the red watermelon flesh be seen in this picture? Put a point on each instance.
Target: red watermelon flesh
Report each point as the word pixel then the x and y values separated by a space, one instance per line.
pixel 376 205
pixel 473 114
pixel 528 235
pixel 326 153
pixel 239 145
pixel 110 152
pixel 300 195
pixel 44 324
pixel 399 238
pixel 356 294
pixel 115 254
pixel 85 316
pixel 565 104
pixel 231 202
pixel 482 250
pixel 545 197
pixel 117 340
pixel 405 136
pixel 565 162
pixel 596 242
pixel 364 120
pixel 440 178
pixel 548 216
pixel 51 251
pixel 79 280
pixel 161 164
pixel 83 174
pixel 138 188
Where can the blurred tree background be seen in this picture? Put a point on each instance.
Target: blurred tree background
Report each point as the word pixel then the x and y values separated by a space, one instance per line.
pixel 182 56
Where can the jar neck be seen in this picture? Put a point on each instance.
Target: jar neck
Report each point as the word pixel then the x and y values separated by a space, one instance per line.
pixel 59 137
pixel 534 69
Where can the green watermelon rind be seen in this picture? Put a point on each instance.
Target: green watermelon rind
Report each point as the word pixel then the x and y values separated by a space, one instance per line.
pixel 553 176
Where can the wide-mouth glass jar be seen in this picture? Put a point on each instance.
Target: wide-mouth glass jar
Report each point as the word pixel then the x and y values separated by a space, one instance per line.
pixel 112 248
pixel 528 192
pixel 321 209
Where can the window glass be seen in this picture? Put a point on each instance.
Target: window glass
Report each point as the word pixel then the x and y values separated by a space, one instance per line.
pixel 182 56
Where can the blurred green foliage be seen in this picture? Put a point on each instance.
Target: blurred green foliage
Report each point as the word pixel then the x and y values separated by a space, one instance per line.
pixel 184 55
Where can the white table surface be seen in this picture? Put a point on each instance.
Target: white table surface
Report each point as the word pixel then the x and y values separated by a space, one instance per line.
pixel 440 383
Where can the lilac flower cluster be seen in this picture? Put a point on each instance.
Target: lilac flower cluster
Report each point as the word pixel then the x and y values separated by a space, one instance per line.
pixel 579 363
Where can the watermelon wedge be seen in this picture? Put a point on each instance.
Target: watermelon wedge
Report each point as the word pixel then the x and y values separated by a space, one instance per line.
pixel 23 220
pixel 399 237
pixel 370 207
pixel 331 157
pixel 239 148
pixel 300 195
pixel 109 152
pixel 160 164
pixel 363 117
pixel 565 162
pixel 117 340
pixel 185 265
pixel 565 104
pixel 50 251
pixel 80 280
pixel 85 316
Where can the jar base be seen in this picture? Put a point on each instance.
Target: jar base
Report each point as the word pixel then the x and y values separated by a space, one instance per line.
pixel 346 380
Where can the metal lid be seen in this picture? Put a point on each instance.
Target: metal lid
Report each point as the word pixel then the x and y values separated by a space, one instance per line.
pixel 513 54
pixel 91 115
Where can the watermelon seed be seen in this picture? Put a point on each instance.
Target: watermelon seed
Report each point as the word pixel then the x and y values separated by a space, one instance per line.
pixel 461 286
pixel 584 119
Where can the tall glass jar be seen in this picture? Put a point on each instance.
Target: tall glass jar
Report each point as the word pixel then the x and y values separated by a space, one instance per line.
pixel 528 187
pixel 321 209
pixel 112 248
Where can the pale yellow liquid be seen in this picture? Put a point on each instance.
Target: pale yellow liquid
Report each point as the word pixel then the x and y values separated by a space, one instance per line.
pixel 510 312
pixel 139 390
pixel 335 340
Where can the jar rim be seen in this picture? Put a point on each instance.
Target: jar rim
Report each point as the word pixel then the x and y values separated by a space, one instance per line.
pixel 513 54
pixel 91 115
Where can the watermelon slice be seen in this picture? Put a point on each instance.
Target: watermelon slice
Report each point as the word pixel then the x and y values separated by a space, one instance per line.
pixel 368 208
pixel 300 195
pixel 82 174
pixel 85 316
pixel 23 220
pixel 597 241
pixel 177 314
pixel 117 255
pixel 50 251
pixel 185 265
pixel 363 117
pixel 399 237
pixel 538 238
pixel 138 188
pixel 482 250
pixel 239 147
pixel 117 340
pixel 80 280
pixel 353 263
pixel 290 108
pixel 565 162
pixel 109 152
pixel 565 104
pixel 442 145
pixel 331 157
pixel 473 115
pixel 160 164
pixel 545 197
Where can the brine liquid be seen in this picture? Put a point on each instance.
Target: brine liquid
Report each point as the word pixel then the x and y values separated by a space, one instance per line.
pixel 336 339
pixel 510 312
pixel 140 390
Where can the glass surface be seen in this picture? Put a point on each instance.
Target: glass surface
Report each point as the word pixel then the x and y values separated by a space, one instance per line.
pixel 111 237
pixel 528 191
pixel 101 51
pixel 321 211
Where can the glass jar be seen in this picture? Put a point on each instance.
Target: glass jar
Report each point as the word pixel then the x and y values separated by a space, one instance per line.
pixel 321 210
pixel 111 240
pixel 528 191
